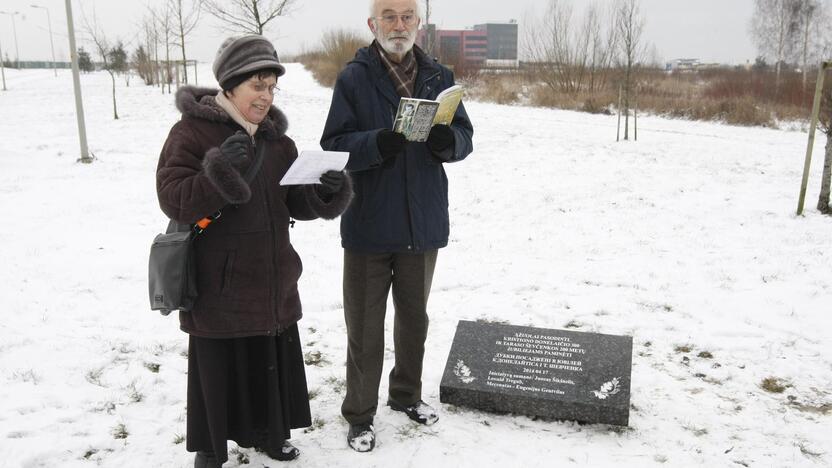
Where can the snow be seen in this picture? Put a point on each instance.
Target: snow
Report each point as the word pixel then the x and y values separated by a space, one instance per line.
pixel 687 240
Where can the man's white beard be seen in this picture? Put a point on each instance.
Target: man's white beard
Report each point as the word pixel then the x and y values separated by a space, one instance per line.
pixel 397 47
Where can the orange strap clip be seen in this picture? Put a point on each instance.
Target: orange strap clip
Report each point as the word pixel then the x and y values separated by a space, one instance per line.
pixel 203 223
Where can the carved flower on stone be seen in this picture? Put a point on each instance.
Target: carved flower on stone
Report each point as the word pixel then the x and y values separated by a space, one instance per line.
pixel 610 388
pixel 463 372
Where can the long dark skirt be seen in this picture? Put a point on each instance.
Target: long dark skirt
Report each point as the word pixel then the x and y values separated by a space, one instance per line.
pixel 250 390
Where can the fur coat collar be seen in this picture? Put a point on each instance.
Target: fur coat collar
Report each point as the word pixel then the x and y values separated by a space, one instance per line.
pixel 201 103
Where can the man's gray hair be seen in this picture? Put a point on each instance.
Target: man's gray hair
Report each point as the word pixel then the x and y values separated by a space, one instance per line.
pixel 373 4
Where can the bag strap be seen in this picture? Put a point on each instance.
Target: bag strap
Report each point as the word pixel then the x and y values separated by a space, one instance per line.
pixel 200 226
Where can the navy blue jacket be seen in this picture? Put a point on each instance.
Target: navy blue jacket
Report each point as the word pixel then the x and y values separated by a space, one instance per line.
pixel 400 205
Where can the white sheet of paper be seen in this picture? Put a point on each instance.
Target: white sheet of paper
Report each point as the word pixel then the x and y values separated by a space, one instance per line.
pixel 310 165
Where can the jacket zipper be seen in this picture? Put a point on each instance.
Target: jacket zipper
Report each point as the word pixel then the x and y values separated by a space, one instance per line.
pixel 417 92
pixel 273 266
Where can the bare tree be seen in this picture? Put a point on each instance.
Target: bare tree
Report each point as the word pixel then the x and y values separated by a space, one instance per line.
pixel 602 43
pixel 815 36
pixel 145 64
pixel 548 45
pixel 102 47
pixel 825 123
pixel 164 27
pixel 186 18
pixel 569 59
pixel 775 28
pixel 248 16
pixel 630 28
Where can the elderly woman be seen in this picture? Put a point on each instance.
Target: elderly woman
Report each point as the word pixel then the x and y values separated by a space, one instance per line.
pixel 246 378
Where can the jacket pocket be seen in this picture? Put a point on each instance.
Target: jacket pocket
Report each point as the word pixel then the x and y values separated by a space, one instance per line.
pixel 228 274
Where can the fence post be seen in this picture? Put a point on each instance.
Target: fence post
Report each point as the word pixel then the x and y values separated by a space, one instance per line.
pixel 812 127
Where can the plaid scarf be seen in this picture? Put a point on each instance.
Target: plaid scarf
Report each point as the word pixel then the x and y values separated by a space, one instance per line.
pixel 402 74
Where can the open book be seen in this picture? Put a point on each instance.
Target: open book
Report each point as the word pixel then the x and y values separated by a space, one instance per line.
pixel 415 117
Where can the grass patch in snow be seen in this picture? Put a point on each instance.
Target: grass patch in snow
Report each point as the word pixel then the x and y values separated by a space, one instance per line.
pixel 93 376
pixel 821 408
pixel 120 431
pixel 317 424
pixel 152 367
pixel 314 358
pixel 134 394
pixel 26 376
pixel 774 385
pixel 338 385
pixel 697 431
pixel 239 455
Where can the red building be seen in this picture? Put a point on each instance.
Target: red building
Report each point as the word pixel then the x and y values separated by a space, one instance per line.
pixel 458 48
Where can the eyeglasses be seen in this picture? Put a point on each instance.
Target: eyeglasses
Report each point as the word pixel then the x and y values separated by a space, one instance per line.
pixel 409 19
pixel 261 87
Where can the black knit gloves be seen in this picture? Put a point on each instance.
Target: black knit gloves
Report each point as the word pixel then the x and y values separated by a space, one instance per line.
pixel 331 182
pixel 390 144
pixel 441 142
pixel 235 150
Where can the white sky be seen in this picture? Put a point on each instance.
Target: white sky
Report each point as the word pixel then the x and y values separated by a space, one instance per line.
pixel 711 30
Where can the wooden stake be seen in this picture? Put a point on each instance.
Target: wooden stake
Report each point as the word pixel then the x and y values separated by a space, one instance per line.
pixel 812 127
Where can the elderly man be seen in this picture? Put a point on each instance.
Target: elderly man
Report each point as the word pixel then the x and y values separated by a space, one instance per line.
pixel 399 218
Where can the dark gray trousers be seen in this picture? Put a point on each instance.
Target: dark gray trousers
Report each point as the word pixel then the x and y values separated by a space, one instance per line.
pixel 367 282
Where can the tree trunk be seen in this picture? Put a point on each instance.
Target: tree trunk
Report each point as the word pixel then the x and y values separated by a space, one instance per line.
pixel 627 101
pixel 182 42
pixel 115 108
pixel 826 181
pixel 805 52
pixel 777 80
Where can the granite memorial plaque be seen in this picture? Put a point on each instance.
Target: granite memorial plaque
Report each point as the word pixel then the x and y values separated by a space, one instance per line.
pixel 559 374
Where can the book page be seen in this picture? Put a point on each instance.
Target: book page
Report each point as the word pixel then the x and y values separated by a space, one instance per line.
pixel 449 100
pixel 311 165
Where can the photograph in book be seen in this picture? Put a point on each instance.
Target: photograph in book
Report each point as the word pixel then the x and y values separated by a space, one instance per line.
pixel 415 117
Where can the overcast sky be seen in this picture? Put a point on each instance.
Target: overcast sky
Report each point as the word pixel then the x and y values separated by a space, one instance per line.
pixel 710 30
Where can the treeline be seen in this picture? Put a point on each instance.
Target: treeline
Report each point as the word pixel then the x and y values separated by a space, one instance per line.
pixel 160 57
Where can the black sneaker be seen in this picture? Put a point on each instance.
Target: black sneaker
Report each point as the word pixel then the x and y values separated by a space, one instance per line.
pixel 286 452
pixel 206 460
pixel 362 437
pixel 420 411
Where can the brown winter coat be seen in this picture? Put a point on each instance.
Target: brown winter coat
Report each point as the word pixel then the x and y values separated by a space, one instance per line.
pixel 247 270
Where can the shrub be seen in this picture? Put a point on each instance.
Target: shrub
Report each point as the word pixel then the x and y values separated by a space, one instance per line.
pixel 337 48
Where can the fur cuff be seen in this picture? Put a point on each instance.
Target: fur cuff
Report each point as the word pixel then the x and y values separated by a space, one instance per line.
pixel 334 204
pixel 225 177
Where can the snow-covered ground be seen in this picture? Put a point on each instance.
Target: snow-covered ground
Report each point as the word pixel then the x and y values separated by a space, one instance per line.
pixel 687 240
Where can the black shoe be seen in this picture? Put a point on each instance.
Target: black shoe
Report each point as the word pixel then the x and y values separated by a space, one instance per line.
pixel 206 460
pixel 362 437
pixel 420 411
pixel 286 452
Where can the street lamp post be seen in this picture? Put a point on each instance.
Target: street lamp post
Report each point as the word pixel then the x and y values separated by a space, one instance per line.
pixel 76 81
pixel 2 68
pixel 51 42
pixel 14 30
